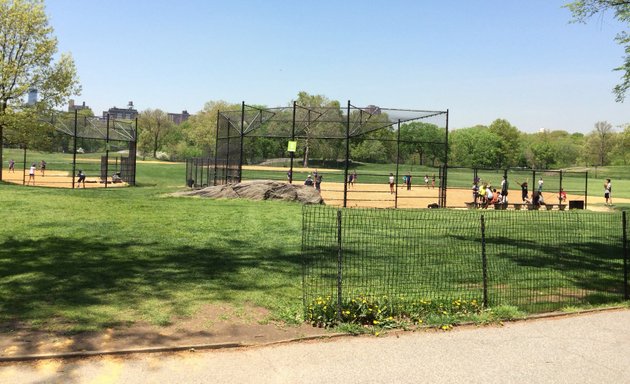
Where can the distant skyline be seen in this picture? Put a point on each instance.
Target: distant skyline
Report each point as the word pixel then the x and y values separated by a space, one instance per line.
pixel 522 61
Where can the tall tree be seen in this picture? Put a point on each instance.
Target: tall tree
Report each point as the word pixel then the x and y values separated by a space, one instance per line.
pixel 510 141
pixel 475 147
pixel 583 10
pixel 27 50
pixel 599 143
pixel 317 104
pixel 155 126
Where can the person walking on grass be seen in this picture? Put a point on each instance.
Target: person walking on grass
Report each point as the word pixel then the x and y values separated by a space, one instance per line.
pixel 607 192
pixel 31 174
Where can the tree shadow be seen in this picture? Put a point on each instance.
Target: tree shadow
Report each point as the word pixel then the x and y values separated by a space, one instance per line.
pixel 43 278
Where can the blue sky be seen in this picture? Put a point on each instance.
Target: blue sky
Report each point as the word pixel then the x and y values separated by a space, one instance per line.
pixel 518 60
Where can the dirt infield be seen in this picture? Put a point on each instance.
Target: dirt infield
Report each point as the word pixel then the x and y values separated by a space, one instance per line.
pixel 54 179
pixel 378 196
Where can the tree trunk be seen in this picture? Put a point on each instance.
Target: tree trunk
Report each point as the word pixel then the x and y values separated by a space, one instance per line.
pixel 305 162
pixel 155 146
pixel 3 108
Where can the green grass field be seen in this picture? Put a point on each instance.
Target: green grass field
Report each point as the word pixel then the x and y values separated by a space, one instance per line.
pixel 87 259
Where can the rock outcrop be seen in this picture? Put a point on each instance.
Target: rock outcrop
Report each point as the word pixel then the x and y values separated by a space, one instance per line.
pixel 259 190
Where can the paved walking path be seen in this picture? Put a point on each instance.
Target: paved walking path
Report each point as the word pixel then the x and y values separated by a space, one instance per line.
pixel 589 348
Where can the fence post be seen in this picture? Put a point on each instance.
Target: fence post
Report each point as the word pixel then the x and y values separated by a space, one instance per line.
pixel 339 264
pixel 484 262
pixel 625 256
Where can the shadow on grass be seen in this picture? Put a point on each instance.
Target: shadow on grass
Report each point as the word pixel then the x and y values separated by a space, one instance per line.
pixel 568 272
pixel 52 279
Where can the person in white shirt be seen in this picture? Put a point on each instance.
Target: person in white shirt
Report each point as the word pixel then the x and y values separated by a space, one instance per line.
pixel 607 191
pixel 391 183
pixel 31 174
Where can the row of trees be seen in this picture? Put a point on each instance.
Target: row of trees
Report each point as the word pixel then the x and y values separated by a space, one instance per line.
pixel 28 50
pixel 498 145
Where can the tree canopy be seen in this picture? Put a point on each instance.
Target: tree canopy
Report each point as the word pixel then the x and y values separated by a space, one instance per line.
pixel 27 53
pixel 583 10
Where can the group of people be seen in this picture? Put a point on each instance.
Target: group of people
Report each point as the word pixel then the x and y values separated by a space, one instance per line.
pixel 31 171
pixel 314 181
pixel 407 182
pixel 484 194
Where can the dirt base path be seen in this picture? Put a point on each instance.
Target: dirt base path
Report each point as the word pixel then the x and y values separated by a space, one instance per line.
pixel 55 179
pixel 379 196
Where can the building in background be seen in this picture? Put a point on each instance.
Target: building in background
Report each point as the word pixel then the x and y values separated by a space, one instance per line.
pixel 178 118
pixel 32 96
pixel 74 107
pixel 128 113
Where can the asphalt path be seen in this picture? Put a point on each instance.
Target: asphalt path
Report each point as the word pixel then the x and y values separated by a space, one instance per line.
pixel 587 348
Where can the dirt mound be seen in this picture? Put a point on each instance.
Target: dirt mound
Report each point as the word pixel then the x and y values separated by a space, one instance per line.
pixel 259 190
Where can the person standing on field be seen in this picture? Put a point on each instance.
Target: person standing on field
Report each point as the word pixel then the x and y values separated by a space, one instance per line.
pixel 11 166
pixel 31 174
pixel 607 192
pixel 81 179
pixel 391 183
pixel 540 185
pixel 504 188
pixel 524 192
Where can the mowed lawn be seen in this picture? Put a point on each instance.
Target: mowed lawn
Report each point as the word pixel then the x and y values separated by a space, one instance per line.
pixel 87 259
pixel 93 258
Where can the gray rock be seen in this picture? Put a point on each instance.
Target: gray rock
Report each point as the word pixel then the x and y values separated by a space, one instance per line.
pixel 259 190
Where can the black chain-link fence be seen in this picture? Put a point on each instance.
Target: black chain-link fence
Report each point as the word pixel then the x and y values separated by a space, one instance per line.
pixel 536 260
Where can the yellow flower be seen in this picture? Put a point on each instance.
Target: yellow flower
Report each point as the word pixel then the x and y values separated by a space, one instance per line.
pixel 375 322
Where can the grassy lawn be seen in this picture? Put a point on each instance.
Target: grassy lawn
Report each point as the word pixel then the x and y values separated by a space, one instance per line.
pixel 87 259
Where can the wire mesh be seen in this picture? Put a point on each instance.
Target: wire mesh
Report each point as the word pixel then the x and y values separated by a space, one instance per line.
pixel 536 260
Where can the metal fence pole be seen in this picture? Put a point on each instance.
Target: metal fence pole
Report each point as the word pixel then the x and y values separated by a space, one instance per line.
pixel 444 180
pixel 585 189
pixel 74 146
pixel 292 153
pixel 484 262
pixel 240 159
pixel 339 264
pixel 625 256
pixel 345 171
pixel 397 165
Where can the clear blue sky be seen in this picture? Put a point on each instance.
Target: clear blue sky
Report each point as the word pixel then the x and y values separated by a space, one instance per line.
pixel 481 59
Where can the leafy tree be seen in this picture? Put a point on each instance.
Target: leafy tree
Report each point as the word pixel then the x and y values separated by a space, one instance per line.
pixel 199 131
pixel 539 151
pixel 370 151
pixel 621 153
pixel 599 143
pixel 27 49
pixel 427 140
pixel 332 124
pixel 510 141
pixel 475 147
pixel 155 126
pixel 583 10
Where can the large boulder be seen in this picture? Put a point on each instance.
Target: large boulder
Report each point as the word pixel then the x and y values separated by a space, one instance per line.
pixel 259 190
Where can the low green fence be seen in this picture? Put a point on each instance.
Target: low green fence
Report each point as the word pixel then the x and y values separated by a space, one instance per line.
pixel 536 260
